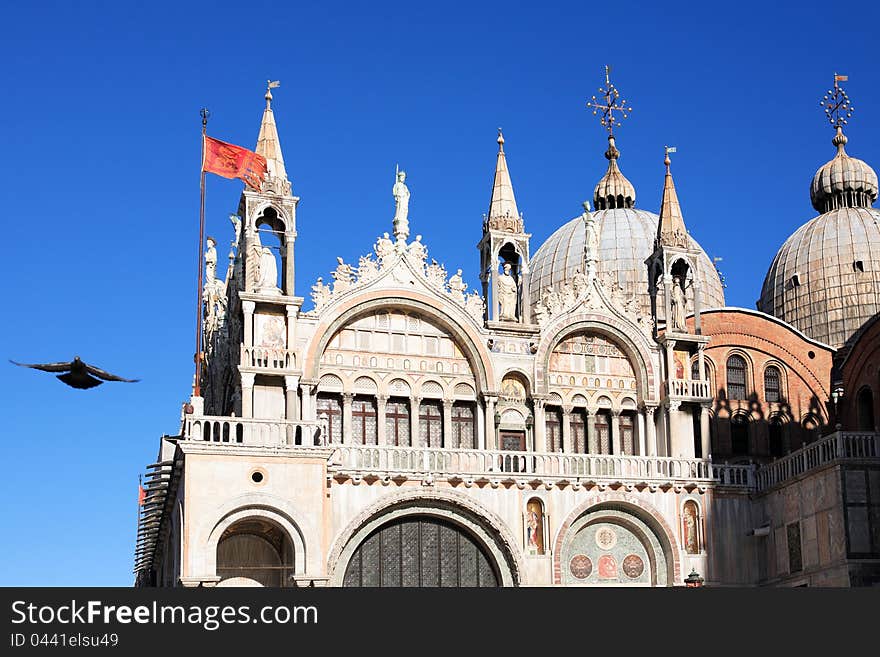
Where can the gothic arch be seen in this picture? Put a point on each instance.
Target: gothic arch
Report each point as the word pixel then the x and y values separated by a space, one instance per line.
pixel 639 355
pixel 483 525
pixel 470 342
pixel 632 505
pixel 259 212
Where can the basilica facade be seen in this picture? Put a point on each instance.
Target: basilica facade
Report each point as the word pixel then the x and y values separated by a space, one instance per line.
pixel 592 415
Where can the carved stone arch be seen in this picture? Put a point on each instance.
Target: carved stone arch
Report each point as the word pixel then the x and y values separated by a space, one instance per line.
pixel 630 504
pixel 639 355
pixel 471 343
pixel 257 505
pixel 484 525
pixel 280 222
pixel 520 374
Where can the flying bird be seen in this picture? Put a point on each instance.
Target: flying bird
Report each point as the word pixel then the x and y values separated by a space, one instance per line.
pixel 77 374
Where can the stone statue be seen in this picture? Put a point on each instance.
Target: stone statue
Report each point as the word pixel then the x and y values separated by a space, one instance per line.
pixel 417 251
pixel 320 294
pixel 236 225
pixel 677 303
pixel 267 272
pixel 579 282
pixel 507 293
pixel 342 277
pixel 568 295
pixel 457 286
pixel 436 274
pixel 591 239
pixel 384 248
pixel 401 209
pixel 474 306
pixel 552 301
pixel 210 260
pixel 368 269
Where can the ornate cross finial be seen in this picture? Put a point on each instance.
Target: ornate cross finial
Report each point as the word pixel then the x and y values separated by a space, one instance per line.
pixel 836 103
pixel 610 104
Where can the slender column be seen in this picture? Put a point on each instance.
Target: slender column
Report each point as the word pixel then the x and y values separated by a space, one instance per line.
pixel 540 426
pixel 247 395
pixel 481 426
pixel 566 430
pixel 670 361
pixel 705 438
pixel 347 398
pixel 291 384
pixel 701 360
pixel 247 307
pixel 447 425
pixel 307 390
pixel 525 309
pixel 592 440
pixel 494 277
pixel 289 282
pixel 291 327
pixel 651 433
pixel 381 436
pixel 414 403
pixel 640 422
pixel 491 441
pixel 616 442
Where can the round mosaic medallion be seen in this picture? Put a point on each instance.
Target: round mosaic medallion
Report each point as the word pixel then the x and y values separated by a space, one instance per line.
pixel 580 566
pixel 606 538
pixel 633 566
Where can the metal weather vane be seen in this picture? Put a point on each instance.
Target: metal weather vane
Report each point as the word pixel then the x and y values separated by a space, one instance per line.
pixel 612 103
pixel 836 103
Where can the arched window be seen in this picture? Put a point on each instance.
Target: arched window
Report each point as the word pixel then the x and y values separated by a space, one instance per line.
pixel 553 422
pixel 330 406
pixel 579 430
pixel 463 426
pixel 736 377
pixel 363 421
pixel 776 426
pixel 772 380
pixel 865 404
pixel 431 423
pixel 397 422
pixel 739 435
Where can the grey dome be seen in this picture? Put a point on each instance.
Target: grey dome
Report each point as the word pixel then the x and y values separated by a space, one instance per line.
pixel 843 182
pixel 626 239
pixel 825 280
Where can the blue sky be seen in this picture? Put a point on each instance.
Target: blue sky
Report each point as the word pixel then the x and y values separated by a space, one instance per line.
pixel 99 131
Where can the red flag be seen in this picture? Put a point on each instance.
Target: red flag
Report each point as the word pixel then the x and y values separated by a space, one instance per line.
pixel 141 494
pixel 232 161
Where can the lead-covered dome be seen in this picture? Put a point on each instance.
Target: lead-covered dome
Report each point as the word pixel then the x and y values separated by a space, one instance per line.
pixel 844 181
pixel 626 239
pixel 825 280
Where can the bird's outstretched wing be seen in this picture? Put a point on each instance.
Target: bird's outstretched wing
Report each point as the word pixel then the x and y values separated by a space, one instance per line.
pixel 46 367
pixel 107 376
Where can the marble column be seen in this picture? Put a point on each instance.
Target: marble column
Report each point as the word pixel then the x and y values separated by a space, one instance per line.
pixel 592 439
pixel 640 423
pixel 289 280
pixel 616 442
pixel 651 433
pixel 414 403
pixel 494 277
pixel 291 384
pixel 447 425
pixel 247 307
pixel 567 447
pixel 540 426
pixel 481 426
pixel 247 394
pixel 381 437
pixel 291 330
pixel 705 435
pixel 347 398
pixel 491 440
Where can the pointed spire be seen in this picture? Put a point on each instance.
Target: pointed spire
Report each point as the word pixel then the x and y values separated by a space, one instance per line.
pixel 670 229
pixel 268 144
pixel 503 214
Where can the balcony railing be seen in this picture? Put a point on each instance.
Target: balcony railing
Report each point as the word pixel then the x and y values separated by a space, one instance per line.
pixel 268 358
pixel 836 446
pixel 385 460
pixel 684 389
pixel 253 432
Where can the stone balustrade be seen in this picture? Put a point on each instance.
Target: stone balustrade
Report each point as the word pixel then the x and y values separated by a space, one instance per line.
pixel 836 446
pixel 685 389
pixel 268 358
pixel 252 431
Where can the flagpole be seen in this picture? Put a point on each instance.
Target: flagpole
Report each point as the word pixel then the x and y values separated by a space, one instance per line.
pixel 197 386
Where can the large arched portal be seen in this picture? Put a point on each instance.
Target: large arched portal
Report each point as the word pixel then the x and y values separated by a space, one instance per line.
pixel 256 551
pixel 420 551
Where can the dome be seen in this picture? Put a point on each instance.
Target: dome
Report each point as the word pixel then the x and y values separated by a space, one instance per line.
pixel 825 280
pixel 626 239
pixel 843 182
